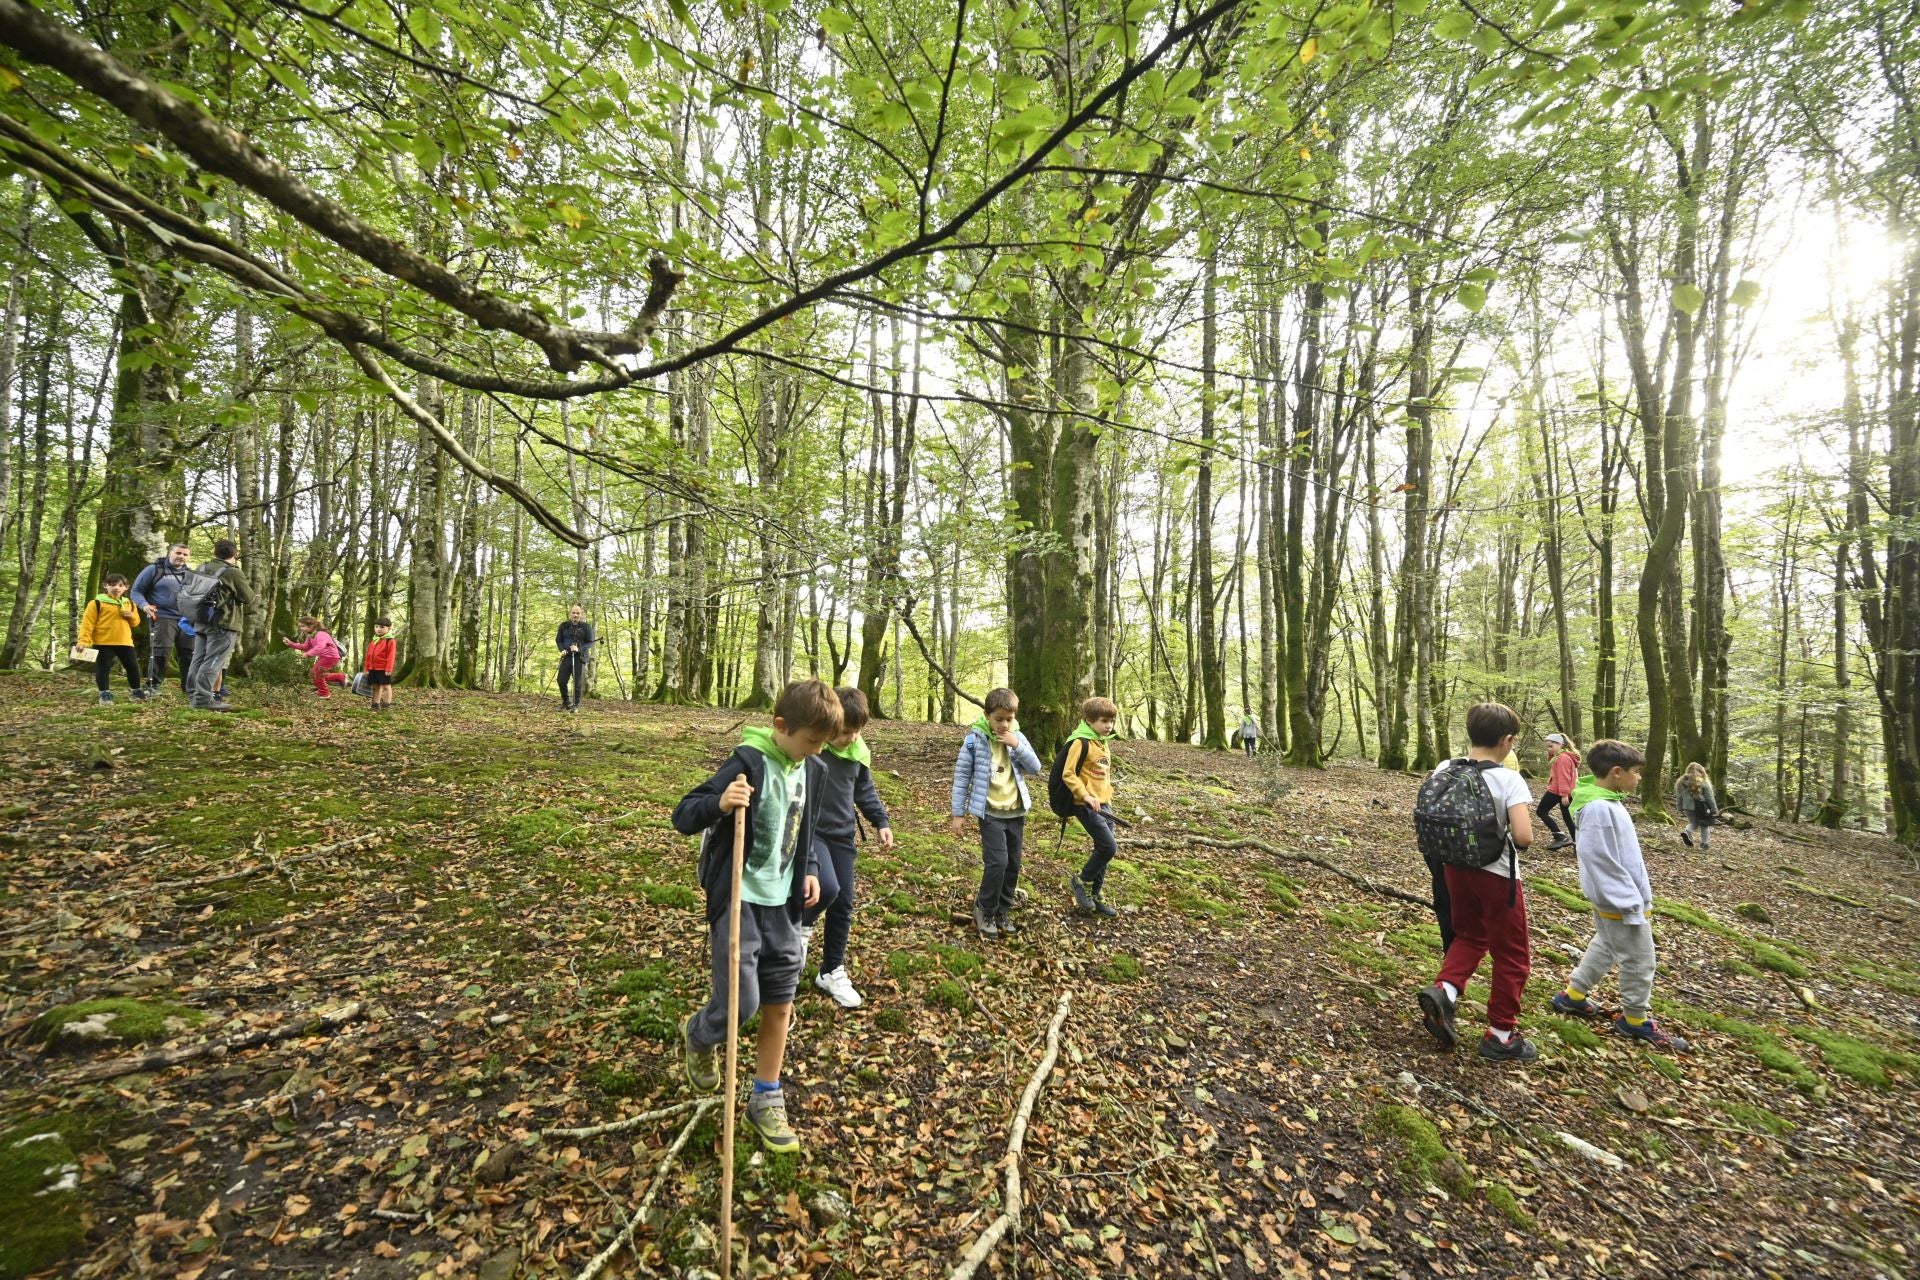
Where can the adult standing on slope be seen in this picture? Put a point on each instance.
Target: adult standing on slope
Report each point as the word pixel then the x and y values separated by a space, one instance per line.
pixel 154 595
pixel 575 641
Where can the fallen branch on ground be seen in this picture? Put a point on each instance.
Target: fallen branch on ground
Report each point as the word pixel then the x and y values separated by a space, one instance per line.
pixel 1285 855
pixel 327 1022
pixel 252 869
pixel 625 1237
pixel 619 1126
pixel 1591 1152
pixel 1009 1219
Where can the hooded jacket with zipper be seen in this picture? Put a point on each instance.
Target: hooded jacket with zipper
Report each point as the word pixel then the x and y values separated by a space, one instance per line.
pixel 699 813
pixel 1613 872
pixel 848 788
pixel 107 622
pixel 1088 769
pixel 572 633
pixel 973 770
pixel 233 599
pixel 158 585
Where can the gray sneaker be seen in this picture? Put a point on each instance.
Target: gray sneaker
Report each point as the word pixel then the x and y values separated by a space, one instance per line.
pixel 1082 896
pixel 767 1116
pixel 984 922
pixel 106 697
pixel 703 1068
pixel 1100 903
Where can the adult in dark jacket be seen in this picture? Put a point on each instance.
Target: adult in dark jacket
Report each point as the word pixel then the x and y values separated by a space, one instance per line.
pixel 154 590
pixel 575 642
pixel 214 647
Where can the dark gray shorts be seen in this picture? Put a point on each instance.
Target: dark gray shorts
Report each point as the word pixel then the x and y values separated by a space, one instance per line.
pixel 771 956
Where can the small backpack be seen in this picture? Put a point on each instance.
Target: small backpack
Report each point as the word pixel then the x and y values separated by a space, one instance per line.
pixel 1457 820
pixel 1059 796
pixel 198 596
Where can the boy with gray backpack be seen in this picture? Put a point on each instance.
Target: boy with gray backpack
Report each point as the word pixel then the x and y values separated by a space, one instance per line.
pixel 1472 818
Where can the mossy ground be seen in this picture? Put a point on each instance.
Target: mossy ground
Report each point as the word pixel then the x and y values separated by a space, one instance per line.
pixel 128 1020
pixel 42 1215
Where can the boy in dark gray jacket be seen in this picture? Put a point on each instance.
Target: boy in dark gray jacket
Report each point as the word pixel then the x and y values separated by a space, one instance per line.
pixel 847 789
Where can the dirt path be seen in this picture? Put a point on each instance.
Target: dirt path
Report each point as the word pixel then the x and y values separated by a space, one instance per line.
pixel 1242 1091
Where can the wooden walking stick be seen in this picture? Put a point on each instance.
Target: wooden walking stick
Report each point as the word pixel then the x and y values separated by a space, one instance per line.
pixel 733 1044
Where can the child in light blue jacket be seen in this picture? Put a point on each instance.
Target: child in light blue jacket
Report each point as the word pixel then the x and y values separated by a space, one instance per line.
pixel 989 784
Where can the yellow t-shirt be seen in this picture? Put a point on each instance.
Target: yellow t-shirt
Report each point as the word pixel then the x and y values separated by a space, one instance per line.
pixel 1003 790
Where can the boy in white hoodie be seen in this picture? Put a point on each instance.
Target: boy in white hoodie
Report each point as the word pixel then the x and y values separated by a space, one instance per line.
pixel 1613 876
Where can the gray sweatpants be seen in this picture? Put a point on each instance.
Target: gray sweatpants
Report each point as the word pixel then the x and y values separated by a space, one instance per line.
pixel 1631 947
pixel 771 955
pixel 210 653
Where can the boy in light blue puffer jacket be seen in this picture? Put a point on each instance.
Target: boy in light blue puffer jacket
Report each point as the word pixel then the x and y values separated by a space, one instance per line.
pixel 989 785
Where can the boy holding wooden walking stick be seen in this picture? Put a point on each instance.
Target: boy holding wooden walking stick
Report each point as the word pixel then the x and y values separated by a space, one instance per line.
pixel 770 776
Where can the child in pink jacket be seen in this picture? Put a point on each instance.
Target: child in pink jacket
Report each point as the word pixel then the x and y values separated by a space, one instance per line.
pixel 1564 766
pixel 325 652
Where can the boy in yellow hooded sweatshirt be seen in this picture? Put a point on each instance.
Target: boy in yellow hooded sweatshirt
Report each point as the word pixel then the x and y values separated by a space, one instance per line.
pixel 107 625
pixel 1088 773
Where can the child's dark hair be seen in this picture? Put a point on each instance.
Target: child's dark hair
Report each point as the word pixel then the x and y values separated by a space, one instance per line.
pixel 1099 709
pixel 108 580
pixel 1002 700
pixel 383 621
pixel 809 704
pixel 225 549
pixel 1606 755
pixel 1488 722
pixel 854 712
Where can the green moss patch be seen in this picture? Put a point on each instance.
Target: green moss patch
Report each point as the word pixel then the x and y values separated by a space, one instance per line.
pixel 652 1010
pixel 1573 1033
pixel 1771 1051
pixel 958 961
pixel 890 1020
pixel 1753 911
pixel 42 1216
pixel 684 896
pixel 1749 1116
pixel 1282 890
pixel 902 965
pixel 949 994
pixel 1122 968
pixel 1350 917
pixel 1424 1157
pixel 1568 898
pixel 116 1020
pixel 1860 1060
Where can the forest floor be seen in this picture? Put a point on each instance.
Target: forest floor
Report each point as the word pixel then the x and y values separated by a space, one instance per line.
pixel 1243 1089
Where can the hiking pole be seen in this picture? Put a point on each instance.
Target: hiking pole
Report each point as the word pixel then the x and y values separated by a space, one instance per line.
pixel 733 1044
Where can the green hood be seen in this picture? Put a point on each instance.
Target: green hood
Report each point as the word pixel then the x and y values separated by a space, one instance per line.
pixel 104 598
pixel 761 740
pixel 1085 730
pixel 1587 789
pixel 855 751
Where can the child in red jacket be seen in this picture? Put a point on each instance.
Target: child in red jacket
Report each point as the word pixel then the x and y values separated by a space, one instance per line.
pixel 1564 765
pixel 379 665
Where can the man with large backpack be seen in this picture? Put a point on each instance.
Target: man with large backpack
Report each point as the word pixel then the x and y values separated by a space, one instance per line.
pixel 214 598
pixel 1472 817
pixel 155 593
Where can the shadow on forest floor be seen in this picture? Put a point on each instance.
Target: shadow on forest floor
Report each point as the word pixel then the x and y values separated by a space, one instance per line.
pixel 1244 1089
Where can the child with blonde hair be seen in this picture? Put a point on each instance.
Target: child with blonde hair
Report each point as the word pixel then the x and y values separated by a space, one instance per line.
pixel 1693 795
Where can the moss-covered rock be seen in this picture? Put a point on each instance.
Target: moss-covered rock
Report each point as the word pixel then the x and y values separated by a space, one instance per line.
pixel 89 1023
pixel 42 1216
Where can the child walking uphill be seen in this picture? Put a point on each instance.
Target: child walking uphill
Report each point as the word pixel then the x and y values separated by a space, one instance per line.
pixel 773 774
pixel 989 784
pixel 1087 771
pixel 1613 875
pixel 1487 911
pixel 1564 767
pixel 1693 794
pixel 378 664
pixel 848 788
pixel 317 643
pixel 106 625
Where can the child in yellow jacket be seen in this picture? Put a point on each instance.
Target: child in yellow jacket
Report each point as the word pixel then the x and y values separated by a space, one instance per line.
pixel 106 625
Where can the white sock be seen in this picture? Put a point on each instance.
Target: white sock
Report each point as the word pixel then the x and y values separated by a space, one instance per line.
pixel 1501 1036
pixel 1453 992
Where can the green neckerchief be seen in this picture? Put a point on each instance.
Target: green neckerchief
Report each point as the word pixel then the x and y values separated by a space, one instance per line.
pixel 855 751
pixel 1085 730
pixel 761 740
pixel 1586 790
pixel 104 598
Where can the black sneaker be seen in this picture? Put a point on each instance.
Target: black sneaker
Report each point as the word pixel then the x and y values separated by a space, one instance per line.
pixel 983 923
pixel 1082 898
pixel 1515 1048
pixel 1686 838
pixel 1436 1015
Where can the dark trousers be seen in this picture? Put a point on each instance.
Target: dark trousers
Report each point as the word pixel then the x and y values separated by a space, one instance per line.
pixel 1548 801
pixel 836 902
pixel 1001 840
pixel 103 665
pixel 1250 744
pixel 573 666
pixel 168 638
pixel 1442 902
pixel 1104 845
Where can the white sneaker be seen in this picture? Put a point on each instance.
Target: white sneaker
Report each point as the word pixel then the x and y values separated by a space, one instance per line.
pixel 837 984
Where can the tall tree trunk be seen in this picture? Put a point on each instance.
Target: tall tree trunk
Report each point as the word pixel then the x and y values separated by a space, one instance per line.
pixel 1213 676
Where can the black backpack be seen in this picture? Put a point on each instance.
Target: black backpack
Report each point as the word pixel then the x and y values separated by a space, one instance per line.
pixel 1457 820
pixel 1059 798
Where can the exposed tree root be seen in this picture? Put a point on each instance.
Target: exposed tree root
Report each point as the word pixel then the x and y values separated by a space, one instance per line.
pixel 1285 855
pixel 303 1025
